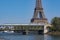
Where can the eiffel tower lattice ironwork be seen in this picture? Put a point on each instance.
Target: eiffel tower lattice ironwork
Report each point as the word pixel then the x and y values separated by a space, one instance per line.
pixel 39 16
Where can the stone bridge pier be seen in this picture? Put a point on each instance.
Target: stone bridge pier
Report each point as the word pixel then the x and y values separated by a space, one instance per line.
pixel 46 29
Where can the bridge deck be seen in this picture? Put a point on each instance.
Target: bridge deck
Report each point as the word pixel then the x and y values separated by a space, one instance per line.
pixel 21 27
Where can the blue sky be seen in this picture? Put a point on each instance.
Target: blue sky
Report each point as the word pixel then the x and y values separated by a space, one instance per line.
pixel 21 11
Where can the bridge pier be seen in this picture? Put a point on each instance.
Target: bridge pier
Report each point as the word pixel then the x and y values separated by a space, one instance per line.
pixel 40 31
pixel 46 29
pixel 25 32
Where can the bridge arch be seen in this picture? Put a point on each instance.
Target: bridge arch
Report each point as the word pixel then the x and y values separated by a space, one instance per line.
pixel 46 28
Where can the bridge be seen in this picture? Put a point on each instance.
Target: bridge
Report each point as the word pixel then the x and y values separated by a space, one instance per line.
pixel 24 28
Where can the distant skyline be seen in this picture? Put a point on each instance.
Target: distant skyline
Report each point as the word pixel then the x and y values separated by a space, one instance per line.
pixel 21 11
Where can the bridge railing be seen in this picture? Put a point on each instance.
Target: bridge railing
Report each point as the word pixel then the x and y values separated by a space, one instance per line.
pixel 23 27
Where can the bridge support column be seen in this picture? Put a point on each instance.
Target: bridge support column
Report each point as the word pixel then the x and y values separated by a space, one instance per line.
pixel 40 31
pixel 26 31
pixel 46 29
pixel 23 32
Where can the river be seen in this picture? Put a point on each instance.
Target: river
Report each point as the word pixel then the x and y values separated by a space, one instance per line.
pixel 14 36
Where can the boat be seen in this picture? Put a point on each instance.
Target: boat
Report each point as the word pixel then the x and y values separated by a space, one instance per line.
pixel 8 31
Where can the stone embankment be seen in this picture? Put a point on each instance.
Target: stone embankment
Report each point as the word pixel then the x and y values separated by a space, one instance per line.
pixel 53 33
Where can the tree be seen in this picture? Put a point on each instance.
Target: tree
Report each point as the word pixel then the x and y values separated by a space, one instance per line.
pixel 56 23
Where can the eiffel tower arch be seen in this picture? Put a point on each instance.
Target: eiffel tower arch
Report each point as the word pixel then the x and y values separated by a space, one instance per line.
pixel 39 16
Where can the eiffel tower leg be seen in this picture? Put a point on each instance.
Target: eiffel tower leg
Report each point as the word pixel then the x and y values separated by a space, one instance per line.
pixel 35 14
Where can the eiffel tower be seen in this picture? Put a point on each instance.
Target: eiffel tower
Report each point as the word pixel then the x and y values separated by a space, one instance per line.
pixel 39 16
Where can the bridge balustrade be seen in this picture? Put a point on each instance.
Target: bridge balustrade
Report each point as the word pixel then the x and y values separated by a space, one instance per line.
pixel 22 27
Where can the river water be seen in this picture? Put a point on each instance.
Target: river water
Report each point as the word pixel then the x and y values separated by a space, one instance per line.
pixel 15 36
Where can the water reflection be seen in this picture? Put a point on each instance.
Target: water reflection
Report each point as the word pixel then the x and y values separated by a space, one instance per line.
pixel 47 37
pixel 2 38
pixel 20 37
pixel 28 37
pixel 51 37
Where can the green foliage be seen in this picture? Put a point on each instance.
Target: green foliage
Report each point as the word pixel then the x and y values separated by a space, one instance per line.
pixel 52 28
pixel 56 23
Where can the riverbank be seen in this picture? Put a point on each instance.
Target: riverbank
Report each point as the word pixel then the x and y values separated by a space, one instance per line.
pixel 53 33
